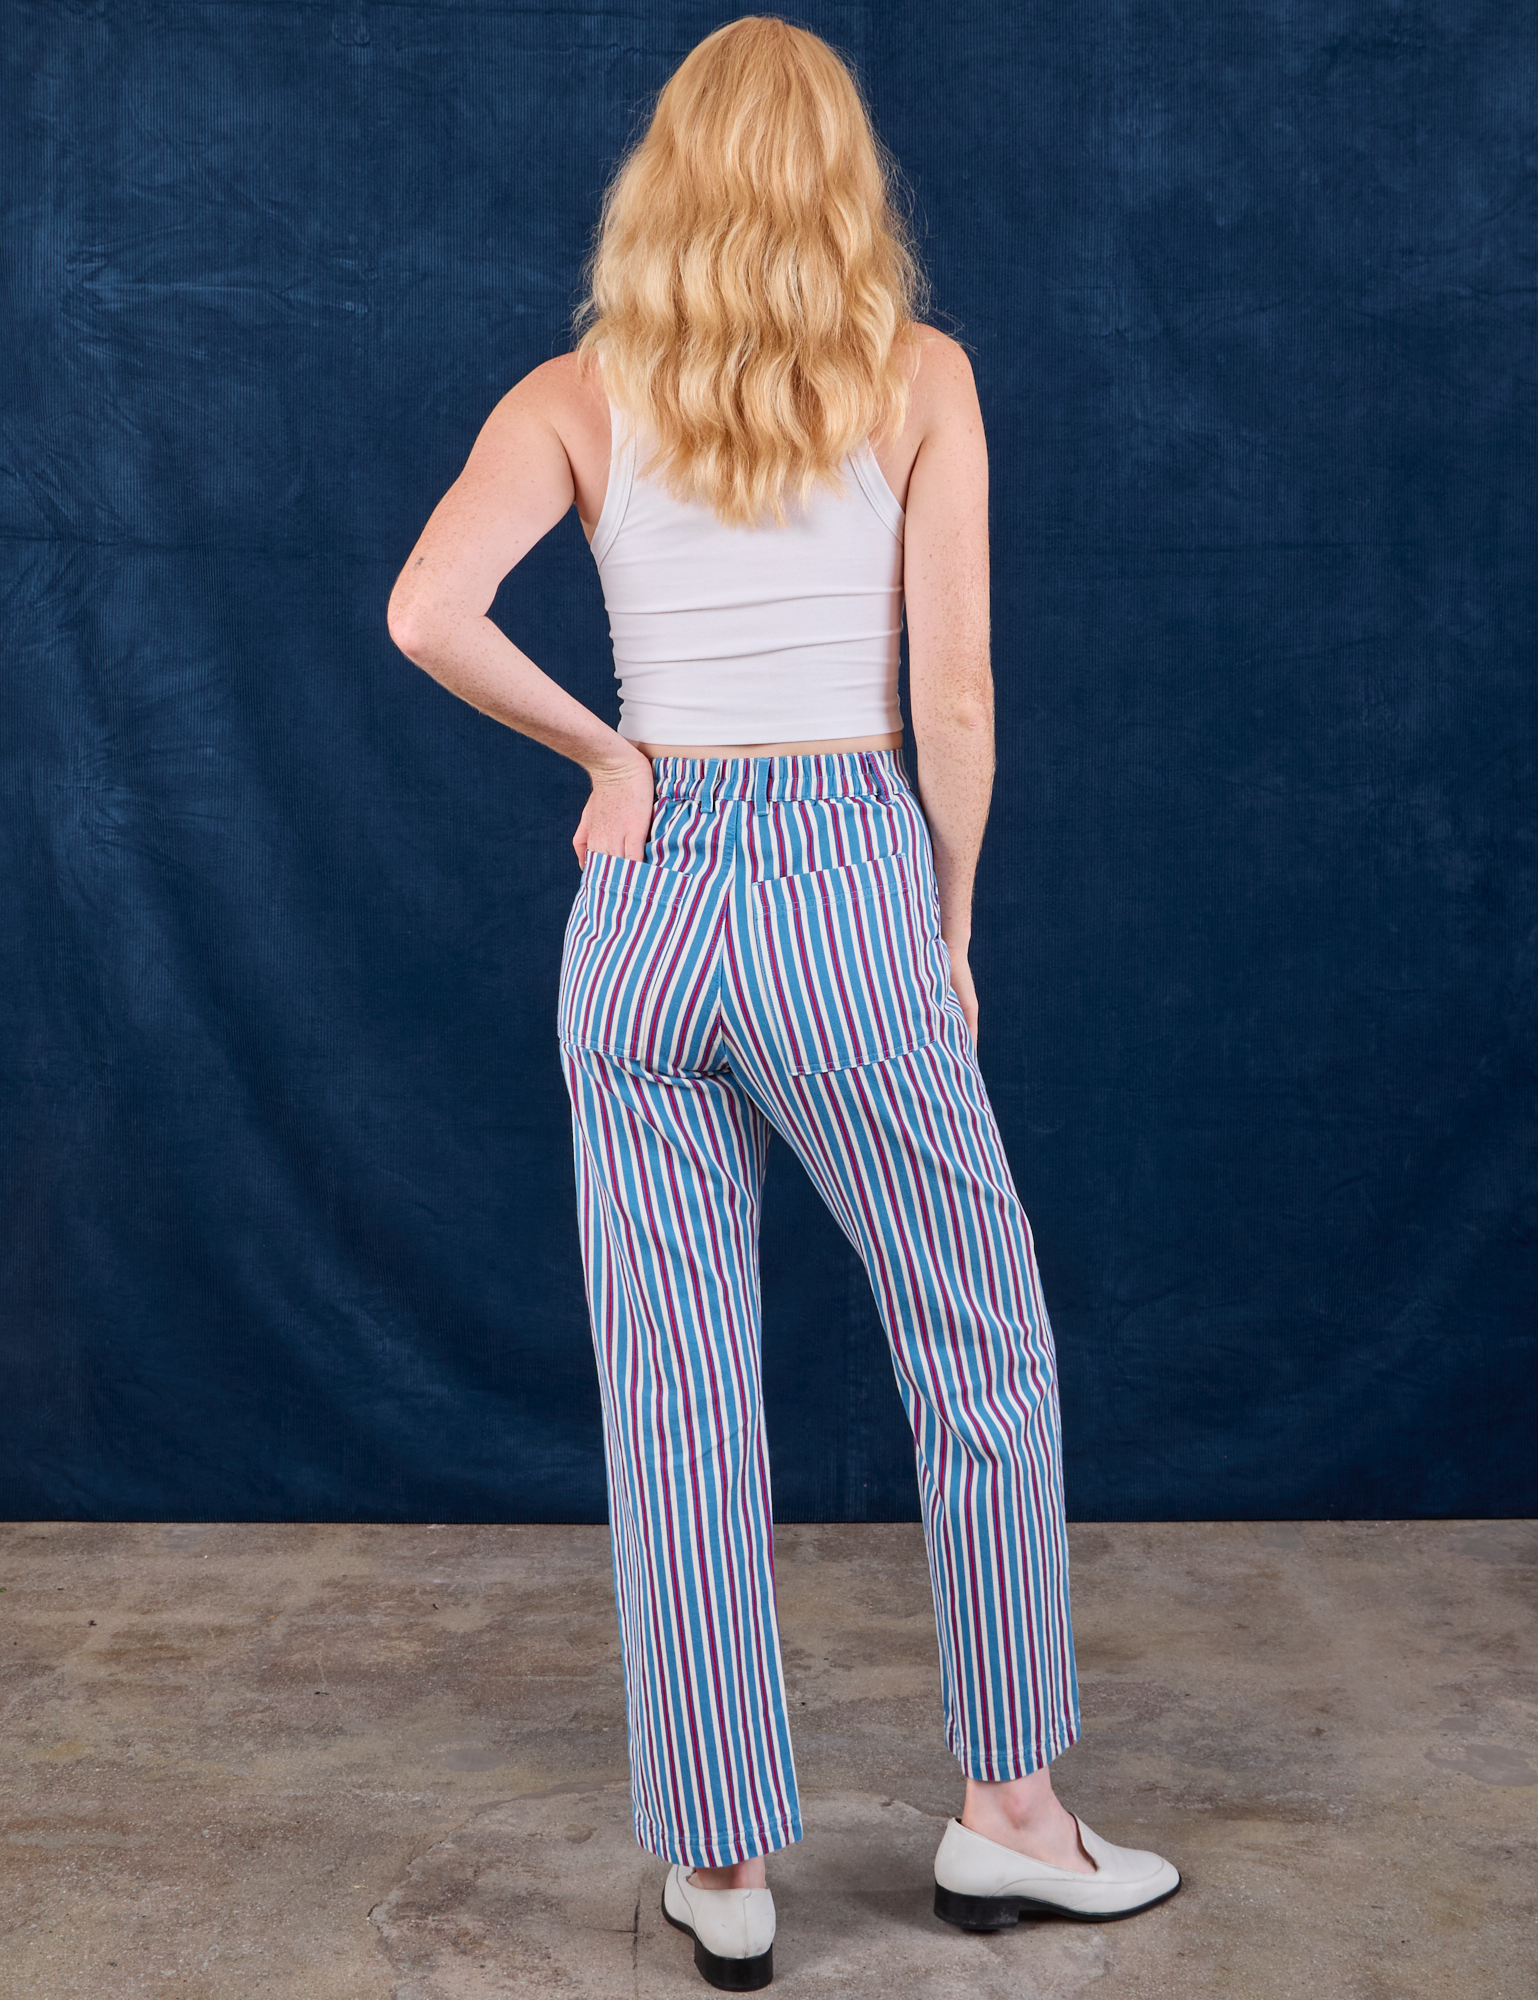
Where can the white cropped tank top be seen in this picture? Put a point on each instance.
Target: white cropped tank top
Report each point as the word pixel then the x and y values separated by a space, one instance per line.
pixel 751 635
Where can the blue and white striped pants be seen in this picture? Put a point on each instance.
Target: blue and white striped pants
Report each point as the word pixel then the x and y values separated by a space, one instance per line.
pixel 775 961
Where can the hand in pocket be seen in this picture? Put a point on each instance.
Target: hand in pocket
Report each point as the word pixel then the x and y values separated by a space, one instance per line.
pixel 617 818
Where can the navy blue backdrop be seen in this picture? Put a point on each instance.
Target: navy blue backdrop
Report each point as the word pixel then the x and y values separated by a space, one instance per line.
pixel 1250 294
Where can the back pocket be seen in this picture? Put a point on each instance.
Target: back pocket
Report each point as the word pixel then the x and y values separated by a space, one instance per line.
pixel 850 962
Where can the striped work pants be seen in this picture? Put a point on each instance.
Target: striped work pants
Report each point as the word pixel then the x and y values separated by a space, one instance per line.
pixel 775 961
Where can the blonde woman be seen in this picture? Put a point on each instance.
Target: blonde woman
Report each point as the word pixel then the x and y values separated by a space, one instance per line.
pixel 773 459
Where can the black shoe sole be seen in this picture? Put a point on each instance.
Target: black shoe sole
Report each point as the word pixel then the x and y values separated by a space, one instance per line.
pixel 731 1975
pixel 1002 1913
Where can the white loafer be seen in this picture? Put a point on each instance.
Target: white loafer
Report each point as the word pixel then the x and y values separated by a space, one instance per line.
pixel 983 1886
pixel 733 1929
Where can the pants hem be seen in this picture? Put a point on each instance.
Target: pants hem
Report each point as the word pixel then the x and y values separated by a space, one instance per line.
pixel 718 1850
pixel 997 1767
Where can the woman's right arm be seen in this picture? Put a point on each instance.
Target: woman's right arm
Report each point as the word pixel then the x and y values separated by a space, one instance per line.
pixel 516 485
pixel 950 677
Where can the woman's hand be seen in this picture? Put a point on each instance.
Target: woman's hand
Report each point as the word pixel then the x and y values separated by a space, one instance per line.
pixel 618 817
pixel 962 986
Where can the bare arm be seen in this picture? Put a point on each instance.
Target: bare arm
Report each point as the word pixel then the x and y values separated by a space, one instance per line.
pixel 516 485
pixel 950 677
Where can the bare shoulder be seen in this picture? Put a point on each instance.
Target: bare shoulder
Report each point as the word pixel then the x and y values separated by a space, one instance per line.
pixel 944 388
pixel 566 393
pixel 552 424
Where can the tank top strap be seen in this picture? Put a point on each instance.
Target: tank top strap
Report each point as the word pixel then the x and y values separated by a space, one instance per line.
pixel 867 469
pixel 616 499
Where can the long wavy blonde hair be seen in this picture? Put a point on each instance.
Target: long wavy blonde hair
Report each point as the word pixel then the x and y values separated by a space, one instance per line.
pixel 753 285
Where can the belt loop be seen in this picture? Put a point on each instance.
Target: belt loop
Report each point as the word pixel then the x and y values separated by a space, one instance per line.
pixel 761 784
pixel 875 776
pixel 710 783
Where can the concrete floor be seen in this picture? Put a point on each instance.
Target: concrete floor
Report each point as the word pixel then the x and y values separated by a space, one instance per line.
pixel 384 1763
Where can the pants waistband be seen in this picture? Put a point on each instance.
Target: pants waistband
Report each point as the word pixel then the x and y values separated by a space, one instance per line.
pixel 714 781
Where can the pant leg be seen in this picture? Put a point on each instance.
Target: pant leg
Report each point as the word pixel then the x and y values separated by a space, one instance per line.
pixel 844 1026
pixel 669 1171
pixel 907 1155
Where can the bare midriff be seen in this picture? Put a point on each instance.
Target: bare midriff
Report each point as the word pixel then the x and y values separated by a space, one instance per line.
pixel 822 746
